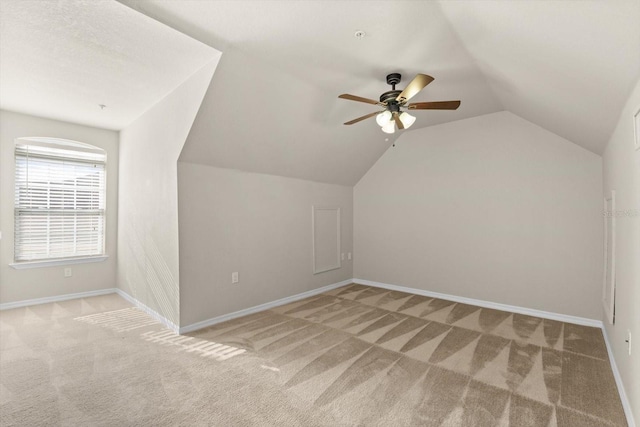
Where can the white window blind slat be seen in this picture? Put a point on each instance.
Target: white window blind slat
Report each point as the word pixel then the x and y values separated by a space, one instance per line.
pixel 59 202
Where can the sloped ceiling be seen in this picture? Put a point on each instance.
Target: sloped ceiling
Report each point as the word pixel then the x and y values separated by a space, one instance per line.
pixel 567 66
pixel 272 107
pixel 61 59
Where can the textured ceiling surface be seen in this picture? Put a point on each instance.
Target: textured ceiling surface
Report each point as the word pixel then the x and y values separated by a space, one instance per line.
pixel 567 66
pixel 61 59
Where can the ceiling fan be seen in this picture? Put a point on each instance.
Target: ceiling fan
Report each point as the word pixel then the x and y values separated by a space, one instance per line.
pixel 395 101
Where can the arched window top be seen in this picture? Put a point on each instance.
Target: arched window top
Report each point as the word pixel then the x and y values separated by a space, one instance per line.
pixel 60 143
pixel 60 148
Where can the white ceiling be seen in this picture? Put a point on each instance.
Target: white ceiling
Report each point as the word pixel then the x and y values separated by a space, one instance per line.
pixel 61 59
pixel 273 106
pixel 567 66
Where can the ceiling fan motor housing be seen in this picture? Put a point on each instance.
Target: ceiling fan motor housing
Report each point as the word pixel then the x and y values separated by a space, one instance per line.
pixel 390 99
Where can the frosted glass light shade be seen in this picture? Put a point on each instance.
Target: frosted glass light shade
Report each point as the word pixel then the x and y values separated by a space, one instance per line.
pixel 407 120
pixel 383 118
pixel 389 127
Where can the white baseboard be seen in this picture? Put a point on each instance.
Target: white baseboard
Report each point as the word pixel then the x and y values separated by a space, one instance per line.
pixel 481 303
pixel 616 374
pixel 528 311
pixel 151 312
pixel 487 304
pixel 57 298
pixel 261 307
pixel 66 297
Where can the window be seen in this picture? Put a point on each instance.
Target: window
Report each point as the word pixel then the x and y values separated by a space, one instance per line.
pixel 60 189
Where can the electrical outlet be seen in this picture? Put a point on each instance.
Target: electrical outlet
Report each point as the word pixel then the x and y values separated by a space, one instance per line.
pixel 234 277
pixel 349 255
pixel 628 340
pixel 342 256
pixel 67 272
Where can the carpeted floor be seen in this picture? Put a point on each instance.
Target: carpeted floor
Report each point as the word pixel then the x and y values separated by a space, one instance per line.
pixel 356 355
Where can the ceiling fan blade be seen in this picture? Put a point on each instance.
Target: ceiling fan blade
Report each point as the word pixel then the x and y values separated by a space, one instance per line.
pixel 359 99
pixel 359 119
pixel 417 84
pixel 437 105
pixel 396 117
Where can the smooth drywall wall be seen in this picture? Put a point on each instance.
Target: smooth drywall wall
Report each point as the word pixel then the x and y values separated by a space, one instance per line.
pixel 148 209
pixel 254 224
pixel 492 208
pixel 44 282
pixel 621 169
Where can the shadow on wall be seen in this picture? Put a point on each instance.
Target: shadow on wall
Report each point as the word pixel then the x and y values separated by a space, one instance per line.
pixel 147 274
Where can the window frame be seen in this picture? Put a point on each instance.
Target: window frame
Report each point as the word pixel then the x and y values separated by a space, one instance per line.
pixel 61 144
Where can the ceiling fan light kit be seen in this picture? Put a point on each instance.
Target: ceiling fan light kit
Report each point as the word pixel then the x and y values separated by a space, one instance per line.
pixel 386 122
pixel 383 118
pixel 389 127
pixel 394 101
pixel 407 119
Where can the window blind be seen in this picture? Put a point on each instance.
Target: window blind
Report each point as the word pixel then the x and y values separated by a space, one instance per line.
pixel 59 202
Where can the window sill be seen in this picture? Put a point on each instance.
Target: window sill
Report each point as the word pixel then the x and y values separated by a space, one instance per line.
pixel 57 262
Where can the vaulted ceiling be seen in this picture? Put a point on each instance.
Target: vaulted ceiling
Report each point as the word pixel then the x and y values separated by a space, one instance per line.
pixel 567 66
pixel 272 107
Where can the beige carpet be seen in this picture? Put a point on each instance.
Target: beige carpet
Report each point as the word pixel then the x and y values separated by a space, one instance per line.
pixel 353 356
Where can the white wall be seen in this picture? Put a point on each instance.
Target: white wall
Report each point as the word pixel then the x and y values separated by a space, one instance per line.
pixel 19 285
pixel 493 208
pixel 258 225
pixel 148 209
pixel 622 174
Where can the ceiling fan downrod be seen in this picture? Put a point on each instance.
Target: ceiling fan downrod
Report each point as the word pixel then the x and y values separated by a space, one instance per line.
pixel 390 96
pixel 393 79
